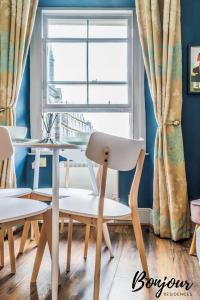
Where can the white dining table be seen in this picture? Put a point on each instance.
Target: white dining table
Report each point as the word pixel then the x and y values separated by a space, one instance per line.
pixel 55 148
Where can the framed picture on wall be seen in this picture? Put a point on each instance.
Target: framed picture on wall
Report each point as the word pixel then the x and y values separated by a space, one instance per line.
pixel 194 69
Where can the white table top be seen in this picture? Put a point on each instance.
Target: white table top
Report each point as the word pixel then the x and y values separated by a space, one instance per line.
pixel 36 144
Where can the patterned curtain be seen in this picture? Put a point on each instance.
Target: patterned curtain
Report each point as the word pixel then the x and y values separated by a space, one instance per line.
pixel 16 25
pixel 160 35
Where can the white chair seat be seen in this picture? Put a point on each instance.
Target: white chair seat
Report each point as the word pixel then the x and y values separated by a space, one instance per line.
pixel 63 192
pixel 84 205
pixel 13 209
pixel 15 192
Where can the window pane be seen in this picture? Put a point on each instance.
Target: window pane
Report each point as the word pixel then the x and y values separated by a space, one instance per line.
pixel 66 28
pixel 108 28
pixel 111 123
pixel 66 61
pixel 73 124
pixel 108 94
pixel 67 94
pixel 108 62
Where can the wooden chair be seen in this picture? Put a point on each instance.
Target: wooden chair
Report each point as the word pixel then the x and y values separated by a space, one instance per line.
pixel 16 193
pixel 45 194
pixel 115 153
pixel 14 211
pixel 20 192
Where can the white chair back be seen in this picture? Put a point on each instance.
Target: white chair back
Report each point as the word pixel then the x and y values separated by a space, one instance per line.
pixel 6 148
pixel 123 153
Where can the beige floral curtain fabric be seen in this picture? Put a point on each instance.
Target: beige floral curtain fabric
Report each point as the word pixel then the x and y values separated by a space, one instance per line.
pixel 160 35
pixel 16 25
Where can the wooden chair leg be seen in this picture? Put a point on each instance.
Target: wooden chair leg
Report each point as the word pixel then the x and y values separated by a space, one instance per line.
pixel 1 248
pixel 193 244
pixel 99 229
pixel 107 239
pixel 11 250
pixel 62 225
pixel 25 233
pixel 24 237
pixel 69 244
pixel 87 237
pixel 36 231
pixel 39 254
pixel 105 228
pixel 139 240
pixel 45 237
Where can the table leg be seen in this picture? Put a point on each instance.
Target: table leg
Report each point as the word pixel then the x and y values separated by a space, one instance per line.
pixel 92 178
pixel 36 169
pixel 36 177
pixel 55 224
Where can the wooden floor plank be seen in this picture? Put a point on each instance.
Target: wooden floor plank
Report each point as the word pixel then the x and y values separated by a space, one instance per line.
pixel 165 258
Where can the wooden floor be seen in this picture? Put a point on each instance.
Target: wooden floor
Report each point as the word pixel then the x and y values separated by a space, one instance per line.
pixel 165 258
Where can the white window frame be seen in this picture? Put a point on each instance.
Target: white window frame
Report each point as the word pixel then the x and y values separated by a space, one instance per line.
pixel 38 101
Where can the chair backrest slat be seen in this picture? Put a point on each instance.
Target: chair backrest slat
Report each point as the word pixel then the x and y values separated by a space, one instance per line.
pixel 6 148
pixel 123 153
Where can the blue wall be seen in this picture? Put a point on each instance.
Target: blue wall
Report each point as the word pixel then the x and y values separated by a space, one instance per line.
pixel 45 179
pixel 86 3
pixel 191 103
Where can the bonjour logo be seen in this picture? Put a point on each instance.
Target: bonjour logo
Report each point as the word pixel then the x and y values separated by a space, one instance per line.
pixel 140 282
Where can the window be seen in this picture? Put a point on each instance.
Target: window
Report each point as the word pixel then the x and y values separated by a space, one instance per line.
pixel 85 60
